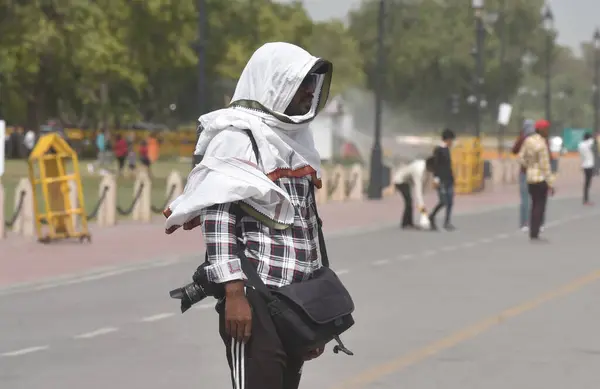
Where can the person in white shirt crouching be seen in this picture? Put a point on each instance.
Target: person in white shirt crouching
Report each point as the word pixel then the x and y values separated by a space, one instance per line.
pixel 410 179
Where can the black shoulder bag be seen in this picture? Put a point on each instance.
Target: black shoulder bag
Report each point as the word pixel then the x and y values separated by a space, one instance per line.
pixel 311 313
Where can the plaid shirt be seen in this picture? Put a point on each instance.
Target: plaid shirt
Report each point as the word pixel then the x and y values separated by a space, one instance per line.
pixel 281 257
pixel 535 158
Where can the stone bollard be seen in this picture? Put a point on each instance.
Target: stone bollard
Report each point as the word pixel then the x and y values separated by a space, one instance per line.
pixel 339 182
pixel 142 207
pixel 74 201
pixel 107 213
pixel 321 194
pixel 174 180
pixel 25 221
pixel 498 171
pixel 355 185
pixel 2 227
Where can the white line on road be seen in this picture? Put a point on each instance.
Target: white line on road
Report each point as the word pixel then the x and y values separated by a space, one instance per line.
pixel 24 351
pixel 205 306
pixel 343 271
pixel 381 262
pixel 429 253
pixel 405 257
pixel 98 332
pixel 157 317
pixel 485 240
pixel 502 236
pixel 449 248
pixel 468 245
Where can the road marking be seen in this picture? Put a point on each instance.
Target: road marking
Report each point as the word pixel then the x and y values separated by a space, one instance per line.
pixel 157 317
pixel 343 271
pixel 24 351
pixel 205 306
pixel 406 257
pixel 381 262
pixel 378 372
pixel 468 245
pixel 429 253
pixel 111 271
pixel 485 240
pixel 503 236
pixel 98 332
pixel 448 248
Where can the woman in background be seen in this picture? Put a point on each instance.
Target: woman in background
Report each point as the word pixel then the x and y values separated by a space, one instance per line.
pixel 528 129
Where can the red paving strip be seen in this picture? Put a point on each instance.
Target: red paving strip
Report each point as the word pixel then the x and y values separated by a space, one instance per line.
pixel 130 243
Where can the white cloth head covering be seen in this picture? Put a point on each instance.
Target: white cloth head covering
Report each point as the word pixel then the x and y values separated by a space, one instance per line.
pixel 286 147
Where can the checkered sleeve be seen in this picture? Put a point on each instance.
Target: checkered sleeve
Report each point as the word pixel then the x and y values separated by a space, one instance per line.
pixel 219 231
pixel 545 169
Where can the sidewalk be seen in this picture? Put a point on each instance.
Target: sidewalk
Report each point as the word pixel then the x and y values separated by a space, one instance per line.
pixel 129 243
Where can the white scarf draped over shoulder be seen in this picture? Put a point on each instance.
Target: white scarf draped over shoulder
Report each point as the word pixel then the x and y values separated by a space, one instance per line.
pixel 229 171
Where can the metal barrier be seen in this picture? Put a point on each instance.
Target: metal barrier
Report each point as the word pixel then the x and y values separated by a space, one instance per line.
pixel 63 204
pixel 467 164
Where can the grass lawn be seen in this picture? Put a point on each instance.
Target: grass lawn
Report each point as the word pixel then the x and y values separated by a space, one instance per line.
pixel 17 169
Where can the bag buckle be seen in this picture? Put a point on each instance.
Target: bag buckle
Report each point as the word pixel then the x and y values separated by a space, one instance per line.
pixel 340 347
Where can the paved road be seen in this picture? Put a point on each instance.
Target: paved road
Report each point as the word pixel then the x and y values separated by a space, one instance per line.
pixel 481 307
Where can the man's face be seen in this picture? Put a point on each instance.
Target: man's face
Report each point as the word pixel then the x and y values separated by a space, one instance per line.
pixel 302 100
pixel 449 142
pixel 543 131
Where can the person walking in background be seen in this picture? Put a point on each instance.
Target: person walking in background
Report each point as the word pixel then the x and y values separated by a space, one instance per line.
pixel 587 164
pixel 528 129
pixel 120 149
pixel 534 156
pixel 443 179
pixel 144 156
pixel 29 141
pixel 410 179
pixel 101 152
pixel 131 159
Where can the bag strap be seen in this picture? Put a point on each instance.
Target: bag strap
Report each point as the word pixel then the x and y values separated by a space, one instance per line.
pixel 322 246
pixel 251 273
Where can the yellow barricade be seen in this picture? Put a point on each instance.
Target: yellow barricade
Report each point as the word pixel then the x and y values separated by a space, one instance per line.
pixel 467 164
pixel 62 206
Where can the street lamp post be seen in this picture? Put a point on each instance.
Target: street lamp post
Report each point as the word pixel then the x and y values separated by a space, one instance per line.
pixel 549 27
pixel 502 25
pixel 596 78
pixel 596 98
pixel 376 176
pixel 479 36
pixel 201 51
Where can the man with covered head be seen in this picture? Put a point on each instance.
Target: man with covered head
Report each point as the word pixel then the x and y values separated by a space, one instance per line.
pixel 253 195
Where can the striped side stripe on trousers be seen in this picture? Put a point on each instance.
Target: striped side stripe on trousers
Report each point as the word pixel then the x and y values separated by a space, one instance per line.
pixel 238 361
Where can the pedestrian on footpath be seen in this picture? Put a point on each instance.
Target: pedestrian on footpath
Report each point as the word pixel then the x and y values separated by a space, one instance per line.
pixel 534 156
pixel 409 179
pixel 586 153
pixel 252 192
pixel 443 180
pixel 524 210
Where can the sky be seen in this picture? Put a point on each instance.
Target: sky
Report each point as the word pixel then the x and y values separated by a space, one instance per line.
pixel 575 20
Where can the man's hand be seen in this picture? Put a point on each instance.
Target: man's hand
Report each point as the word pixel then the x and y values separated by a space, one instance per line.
pixel 238 314
pixel 312 354
pixel 436 184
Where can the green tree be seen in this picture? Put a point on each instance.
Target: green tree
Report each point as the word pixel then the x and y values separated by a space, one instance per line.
pixel 332 41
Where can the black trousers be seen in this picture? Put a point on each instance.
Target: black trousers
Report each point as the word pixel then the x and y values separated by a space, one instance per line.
pixel 588 174
pixel 539 197
pixel 261 363
pixel 407 216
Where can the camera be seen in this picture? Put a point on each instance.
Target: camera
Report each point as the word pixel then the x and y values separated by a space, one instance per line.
pixel 195 291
